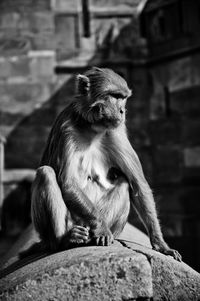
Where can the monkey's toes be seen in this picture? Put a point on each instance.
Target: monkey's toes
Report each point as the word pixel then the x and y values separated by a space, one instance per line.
pixel 103 241
pixel 175 254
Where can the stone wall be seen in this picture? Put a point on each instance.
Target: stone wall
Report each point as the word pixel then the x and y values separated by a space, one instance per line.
pixel 174 128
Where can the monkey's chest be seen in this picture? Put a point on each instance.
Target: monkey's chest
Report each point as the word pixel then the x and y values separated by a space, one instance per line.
pixel 92 169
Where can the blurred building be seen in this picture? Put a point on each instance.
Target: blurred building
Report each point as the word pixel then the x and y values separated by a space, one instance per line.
pixel 155 45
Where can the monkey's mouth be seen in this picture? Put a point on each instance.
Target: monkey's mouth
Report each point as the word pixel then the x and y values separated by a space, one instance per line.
pixel 104 118
pixel 106 123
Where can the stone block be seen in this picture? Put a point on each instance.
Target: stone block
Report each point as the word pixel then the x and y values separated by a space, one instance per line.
pixel 24 5
pixel 179 74
pixel 172 280
pixel 190 200
pixel 23 97
pixel 42 22
pixel 14 45
pixel 186 102
pixel 190 132
pixel 65 6
pixel 42 65
pixel 192 157
pixel 66 40
pixel 167 162
pixel 124 271
pixel 41 41
pixel 129 4
pixel 165 131
pixel 5 68
pixel 112 273
pixel 9 22
pixel 19 66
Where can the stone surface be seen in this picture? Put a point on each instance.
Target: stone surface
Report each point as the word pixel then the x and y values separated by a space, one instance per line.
pixel 167 164
pixel 113 273
pixel 172 280
pixel 192 157
pixel 124 271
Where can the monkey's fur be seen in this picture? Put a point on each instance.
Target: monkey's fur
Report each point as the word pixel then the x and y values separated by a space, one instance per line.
pixel 90 173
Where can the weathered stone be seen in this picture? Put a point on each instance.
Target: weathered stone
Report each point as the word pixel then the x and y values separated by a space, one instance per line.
pixel 11 46
pixel 192 157
pixel 19 66
pixel 65 6
pixel 186 102
pixel 172 280
pixel 42 65
pixel 21 98
pixel 108 273
pixel 66 40
pixel 9 22
pixel 190 132
pixel 165 131
pixel 42 22
pixel 24 5
pixel 167 163
pixel 5 68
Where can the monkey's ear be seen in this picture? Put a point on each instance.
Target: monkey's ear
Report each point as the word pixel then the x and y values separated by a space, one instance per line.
pixel 82 84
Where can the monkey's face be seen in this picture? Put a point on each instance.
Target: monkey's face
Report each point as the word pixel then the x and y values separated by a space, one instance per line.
pixel 103 98
pixel 108 111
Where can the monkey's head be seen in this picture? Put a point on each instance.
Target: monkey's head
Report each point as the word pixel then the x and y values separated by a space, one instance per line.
pixel 101 98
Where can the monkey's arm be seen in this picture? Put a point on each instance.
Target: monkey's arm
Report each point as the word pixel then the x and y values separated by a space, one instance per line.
pixel 80 205
pixel 140 193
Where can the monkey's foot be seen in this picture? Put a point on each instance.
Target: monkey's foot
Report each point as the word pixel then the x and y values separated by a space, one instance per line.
pixel 77 236
pixel 168 251
pixel 103 240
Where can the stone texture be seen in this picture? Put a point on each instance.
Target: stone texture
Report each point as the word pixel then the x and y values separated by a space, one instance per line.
pixel 172 280
pixel 192 157
pixel 66 40
pixel 42 64
pixel 190 132
pixel 126 271
pixel 65 6
pixel 186 101
pixel 167 163
pixel 113 273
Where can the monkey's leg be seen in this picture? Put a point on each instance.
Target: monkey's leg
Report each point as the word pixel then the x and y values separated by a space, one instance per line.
pixel 114 206
pixel 50 216
pixel 147 212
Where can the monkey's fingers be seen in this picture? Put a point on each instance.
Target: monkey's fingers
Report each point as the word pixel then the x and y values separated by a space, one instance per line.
pixel 82 229
pixel 78 234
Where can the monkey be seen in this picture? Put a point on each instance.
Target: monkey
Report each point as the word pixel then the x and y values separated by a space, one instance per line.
pixel 89 174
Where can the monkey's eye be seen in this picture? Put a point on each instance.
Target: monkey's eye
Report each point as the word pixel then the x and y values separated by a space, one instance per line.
pixel 117 95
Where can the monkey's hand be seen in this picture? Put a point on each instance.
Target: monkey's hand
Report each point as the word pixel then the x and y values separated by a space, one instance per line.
pixel 77 236
pixel 162 247
pixel 101 235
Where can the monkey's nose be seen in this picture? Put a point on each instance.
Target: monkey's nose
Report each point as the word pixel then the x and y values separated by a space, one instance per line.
pixel 121 111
